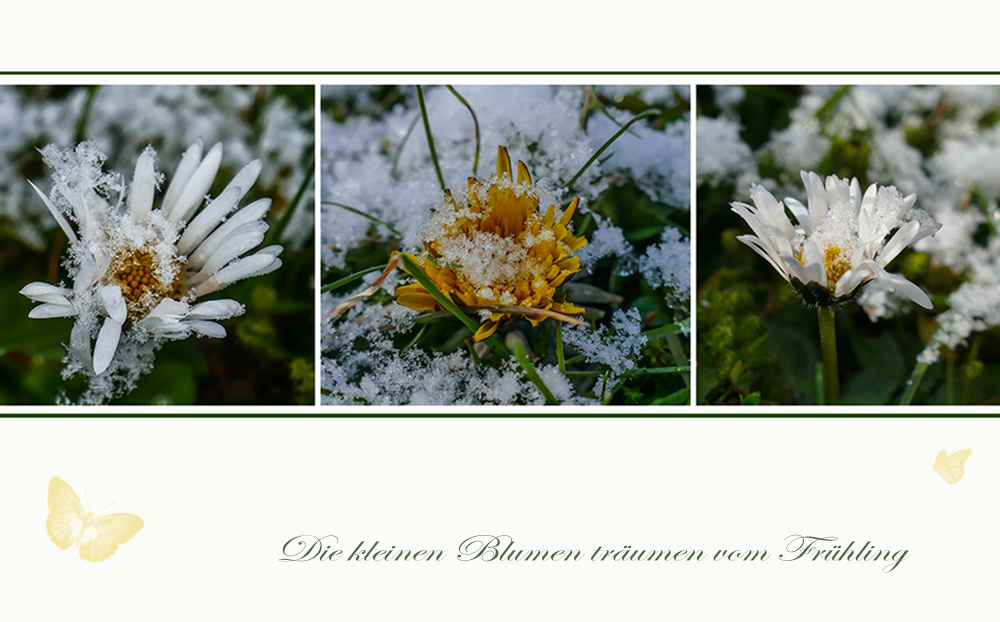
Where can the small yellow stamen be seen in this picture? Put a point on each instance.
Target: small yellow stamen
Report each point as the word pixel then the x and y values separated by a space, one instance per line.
pixel 837 263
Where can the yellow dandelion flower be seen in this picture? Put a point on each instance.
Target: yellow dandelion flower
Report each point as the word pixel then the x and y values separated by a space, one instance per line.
pixel 496 250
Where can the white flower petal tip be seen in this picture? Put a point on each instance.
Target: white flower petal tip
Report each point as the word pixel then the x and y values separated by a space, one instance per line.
pixel 51 310
pixel 208 329
pixel 140 200
pixel 215 310
pixel 107 344
pixel 839 242
pixel 44 292
pixel 60 219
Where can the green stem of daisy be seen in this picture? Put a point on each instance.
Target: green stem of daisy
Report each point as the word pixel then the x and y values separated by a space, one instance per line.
pixel 828 343
pixel 430 138
pixel 80 133
pixel 913 383
pixel 529 370
pixel 414 270
pixel 286 217
pixel 609 142
pixel 402 143
pixel 475 122
pixel 351 278
pixel 355 210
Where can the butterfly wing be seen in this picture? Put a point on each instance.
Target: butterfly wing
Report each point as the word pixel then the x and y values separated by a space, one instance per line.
pixel 951 468
pixel 102 535
pixel 66 515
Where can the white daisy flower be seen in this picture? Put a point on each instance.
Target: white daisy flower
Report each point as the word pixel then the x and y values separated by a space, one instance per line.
pixel 841 241
pixel 137 272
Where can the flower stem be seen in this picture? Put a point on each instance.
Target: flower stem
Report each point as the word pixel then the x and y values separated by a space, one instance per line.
pixel 430 138
pixel 828 343
pixel 913 383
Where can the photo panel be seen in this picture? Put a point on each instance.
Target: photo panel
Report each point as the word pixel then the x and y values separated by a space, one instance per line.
pixel 847 245
pixel 157 244
pixel 505 245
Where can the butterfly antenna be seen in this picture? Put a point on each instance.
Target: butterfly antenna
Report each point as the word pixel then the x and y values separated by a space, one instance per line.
pixel 105 507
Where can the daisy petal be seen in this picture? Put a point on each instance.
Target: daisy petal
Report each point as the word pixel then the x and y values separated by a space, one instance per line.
pixel 50 310
pixel 114 303
pixel 186 168
pixel 107 343
pixel 140 200
pixel 63 223
pixel 198 186
pixel 208 329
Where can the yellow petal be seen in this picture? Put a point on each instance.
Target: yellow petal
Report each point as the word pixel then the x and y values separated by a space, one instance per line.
pixel 523 176
pixel 503 162
pixel 485 331
pixel 568 214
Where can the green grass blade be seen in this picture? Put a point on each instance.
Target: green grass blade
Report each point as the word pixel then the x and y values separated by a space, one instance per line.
pixel 399 150
pixel 351 278
pixel 430 138
pixel 411 268
pixel 529 370
pixel 475 122
pixel 80 133
pixel 355 210
pixel 286 217
pixel 608 143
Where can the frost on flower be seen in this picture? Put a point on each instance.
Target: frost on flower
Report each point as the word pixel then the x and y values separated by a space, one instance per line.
pixel 137 272
pixel 495 247
pixel 841 241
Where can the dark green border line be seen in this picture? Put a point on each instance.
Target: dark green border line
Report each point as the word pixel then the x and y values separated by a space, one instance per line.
pixel 692 72
pixel 751 414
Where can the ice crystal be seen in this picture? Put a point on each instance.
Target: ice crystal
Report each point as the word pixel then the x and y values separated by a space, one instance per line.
pixel 616 348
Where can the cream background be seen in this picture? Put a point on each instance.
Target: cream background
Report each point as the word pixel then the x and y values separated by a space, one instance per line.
pixel 220 497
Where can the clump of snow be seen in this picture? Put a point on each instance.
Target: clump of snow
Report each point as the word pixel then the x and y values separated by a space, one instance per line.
pixel 616 348
pixel 608 241
pixel 722 154
pixel 668 264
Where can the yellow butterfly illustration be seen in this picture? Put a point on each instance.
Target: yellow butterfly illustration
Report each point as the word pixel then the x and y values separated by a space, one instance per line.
pixel 951 467
pixel 98 537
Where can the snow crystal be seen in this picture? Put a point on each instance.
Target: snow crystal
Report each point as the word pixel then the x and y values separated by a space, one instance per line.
pixel 607 241
pixel 616 348
pixel 669 264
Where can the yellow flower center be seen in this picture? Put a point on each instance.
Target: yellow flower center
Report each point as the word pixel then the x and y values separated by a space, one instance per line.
pixel 135 272
pixel 837 262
